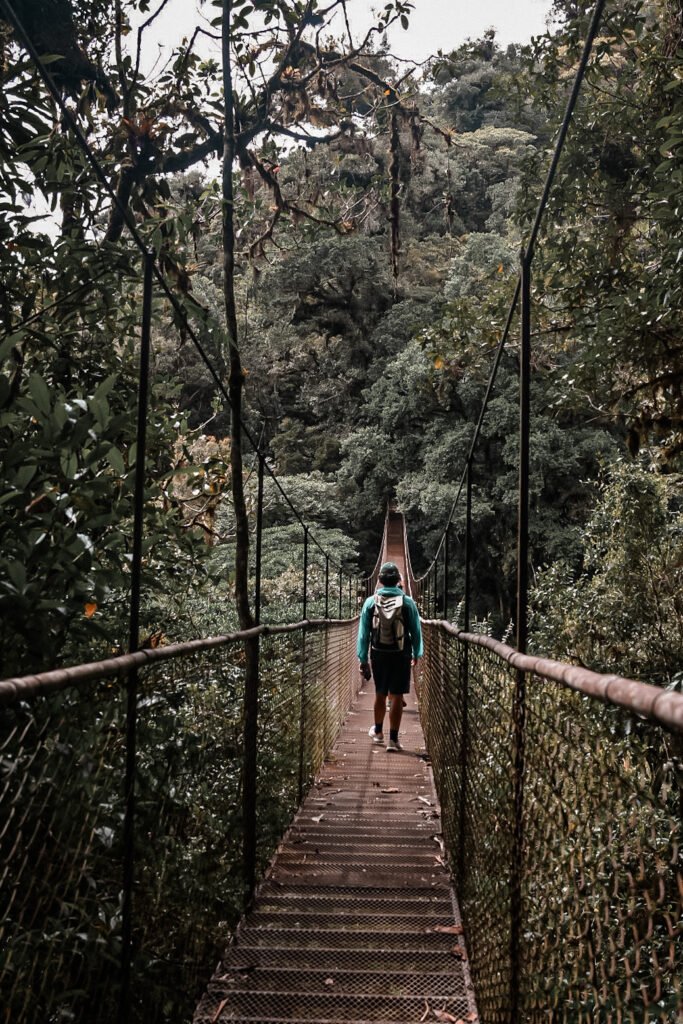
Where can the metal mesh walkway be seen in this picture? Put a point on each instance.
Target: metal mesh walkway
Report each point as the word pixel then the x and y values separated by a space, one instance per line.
pixel 348 924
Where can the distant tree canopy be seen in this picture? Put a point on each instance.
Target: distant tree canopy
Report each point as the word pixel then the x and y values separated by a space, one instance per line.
pixel 378 220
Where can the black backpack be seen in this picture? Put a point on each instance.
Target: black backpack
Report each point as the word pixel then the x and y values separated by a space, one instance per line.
pixel 388 622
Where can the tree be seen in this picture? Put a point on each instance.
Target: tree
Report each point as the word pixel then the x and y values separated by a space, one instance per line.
pixel 621 609
pixel 609 266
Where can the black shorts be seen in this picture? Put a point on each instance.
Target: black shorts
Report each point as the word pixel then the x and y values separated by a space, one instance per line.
pixel 391 671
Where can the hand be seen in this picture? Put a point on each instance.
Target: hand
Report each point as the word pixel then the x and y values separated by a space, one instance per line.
pixel 413 662
pixel 365 670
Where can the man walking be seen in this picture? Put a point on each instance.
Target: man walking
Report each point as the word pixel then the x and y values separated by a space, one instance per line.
pixel 390 629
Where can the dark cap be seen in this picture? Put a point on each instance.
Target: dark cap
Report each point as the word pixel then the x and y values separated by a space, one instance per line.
pixel 389 573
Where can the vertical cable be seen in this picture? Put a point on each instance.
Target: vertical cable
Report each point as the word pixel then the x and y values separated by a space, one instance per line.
pixel 464 730
pixel 519 709
pixel 304 610
pixel 327 586
pixel 445 574
pixel 259 542
pixel 133 641
pixel 524 432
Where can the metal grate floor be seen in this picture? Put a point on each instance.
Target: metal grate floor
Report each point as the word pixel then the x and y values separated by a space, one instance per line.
pixel 346 927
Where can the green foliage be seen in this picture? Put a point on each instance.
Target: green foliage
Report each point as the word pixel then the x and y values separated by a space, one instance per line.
pixel 66 753
pixel 608 270
pixel 622 611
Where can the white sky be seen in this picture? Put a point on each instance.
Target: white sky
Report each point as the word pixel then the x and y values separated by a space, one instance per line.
pixel 444 24
pixel 434 24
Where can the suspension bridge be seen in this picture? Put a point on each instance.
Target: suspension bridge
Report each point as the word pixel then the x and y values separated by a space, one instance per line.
pixel 167 856
pixel 536 871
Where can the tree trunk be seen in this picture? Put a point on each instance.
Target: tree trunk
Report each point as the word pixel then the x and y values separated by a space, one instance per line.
pixel 235 388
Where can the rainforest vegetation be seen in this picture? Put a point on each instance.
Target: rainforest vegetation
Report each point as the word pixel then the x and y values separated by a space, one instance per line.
pixel 338 248
pixel 379 212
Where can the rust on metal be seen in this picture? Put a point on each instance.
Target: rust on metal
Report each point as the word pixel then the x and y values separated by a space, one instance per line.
pixel 346 926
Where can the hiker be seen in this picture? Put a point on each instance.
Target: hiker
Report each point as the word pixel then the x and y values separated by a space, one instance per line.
pixel 390 629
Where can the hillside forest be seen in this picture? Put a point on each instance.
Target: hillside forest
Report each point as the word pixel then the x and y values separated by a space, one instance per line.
pixel 341 243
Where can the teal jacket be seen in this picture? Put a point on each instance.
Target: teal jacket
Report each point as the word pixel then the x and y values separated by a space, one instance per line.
pixel 412 623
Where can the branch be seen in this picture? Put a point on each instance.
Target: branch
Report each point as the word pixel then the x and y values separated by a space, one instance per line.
pixel 279 129
pixel 181 161
pixel 142 28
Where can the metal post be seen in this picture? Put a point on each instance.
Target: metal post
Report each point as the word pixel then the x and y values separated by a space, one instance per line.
pixel 305 601
pixel 302 720
pixel 340 591
pixel 259 541
pixel 524 431
pixel 250 766
pixel 133 642
pixel 464 732
pixel 350 596
pixel 519 702
pixel 468 546
pixel 445 573
pixel 327 586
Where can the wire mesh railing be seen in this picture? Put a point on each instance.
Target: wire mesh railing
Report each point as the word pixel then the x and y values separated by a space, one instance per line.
pixel 62 841
pixel 595 889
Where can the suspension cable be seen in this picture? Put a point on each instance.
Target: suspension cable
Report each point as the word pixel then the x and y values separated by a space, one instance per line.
pixel 527 255
pixel 32 317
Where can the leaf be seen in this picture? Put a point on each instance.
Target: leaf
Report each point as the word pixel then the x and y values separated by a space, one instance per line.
pixel 318 819
pixel 23 476
pixel 449 929
pixel 438 363
pixel 115 459
pixel 460 952
pixel 39 392
pixel 89 609
pixel 17 575
pixel 445 1015
pixel 10 342
pixel 390 789
pixel 221 1007
pixel 426 801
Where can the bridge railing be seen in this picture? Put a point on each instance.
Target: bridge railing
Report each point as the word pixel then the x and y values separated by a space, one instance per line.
pixel 596 895
pixel 63 845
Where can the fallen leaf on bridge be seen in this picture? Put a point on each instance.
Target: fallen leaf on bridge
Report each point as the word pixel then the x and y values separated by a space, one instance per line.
pixel 445 1015
pixel 449 929
pixel 426 801
pixel 319 818
pixel 221 1007
pixel 391 789
pixel 460 952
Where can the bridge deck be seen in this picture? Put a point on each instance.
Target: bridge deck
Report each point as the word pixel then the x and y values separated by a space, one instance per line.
pixel 346 926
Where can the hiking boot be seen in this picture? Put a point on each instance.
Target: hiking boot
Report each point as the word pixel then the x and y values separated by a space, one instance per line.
pixel 393 745
pixel 376 737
